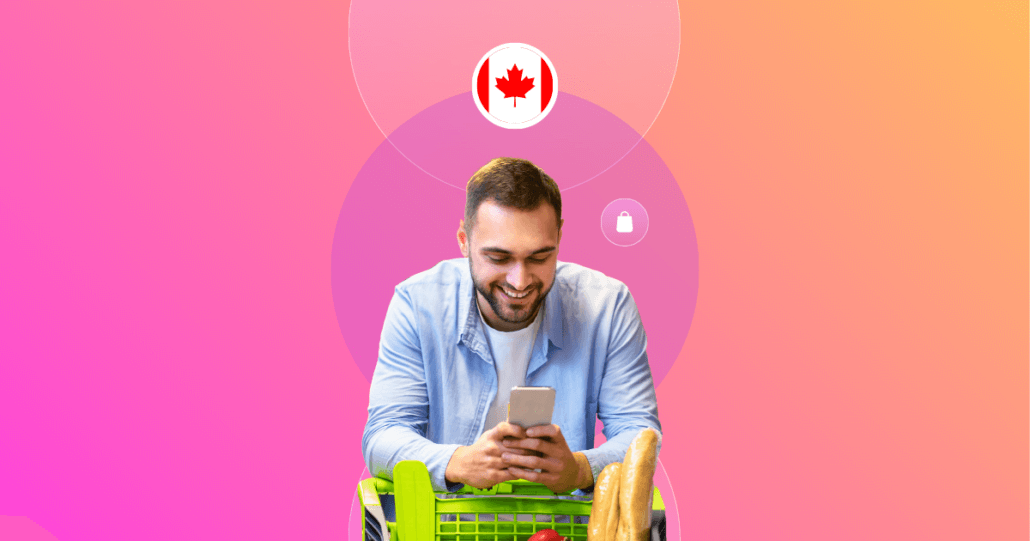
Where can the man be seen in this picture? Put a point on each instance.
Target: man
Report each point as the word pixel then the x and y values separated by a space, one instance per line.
pixel 457 337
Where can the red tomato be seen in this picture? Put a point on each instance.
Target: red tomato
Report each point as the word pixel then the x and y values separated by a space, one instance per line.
pixel 547 535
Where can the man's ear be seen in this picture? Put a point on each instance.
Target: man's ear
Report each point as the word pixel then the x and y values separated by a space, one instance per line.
pixel 463 241
pixel 560 223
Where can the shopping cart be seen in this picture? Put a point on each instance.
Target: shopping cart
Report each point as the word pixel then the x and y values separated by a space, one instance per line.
pixel 407 509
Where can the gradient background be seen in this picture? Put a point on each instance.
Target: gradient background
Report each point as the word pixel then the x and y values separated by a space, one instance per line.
pixel 171 176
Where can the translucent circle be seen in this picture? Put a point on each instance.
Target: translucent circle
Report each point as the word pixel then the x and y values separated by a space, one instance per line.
pixel 624 222
pixel 621 56
pixel 394 224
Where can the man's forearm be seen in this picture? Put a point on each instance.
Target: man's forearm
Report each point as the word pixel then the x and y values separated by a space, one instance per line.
pixel 387 446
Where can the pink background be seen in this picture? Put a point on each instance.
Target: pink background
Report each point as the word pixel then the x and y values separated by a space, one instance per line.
pixel 171 175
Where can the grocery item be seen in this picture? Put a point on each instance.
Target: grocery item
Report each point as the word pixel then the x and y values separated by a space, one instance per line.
pixel 636 487
pixel 604 511
pixel 547 534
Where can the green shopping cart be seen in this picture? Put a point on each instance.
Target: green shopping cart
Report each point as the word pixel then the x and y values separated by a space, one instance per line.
pixel 407 509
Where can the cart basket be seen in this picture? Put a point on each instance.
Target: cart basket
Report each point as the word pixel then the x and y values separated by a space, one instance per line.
pixel 407 509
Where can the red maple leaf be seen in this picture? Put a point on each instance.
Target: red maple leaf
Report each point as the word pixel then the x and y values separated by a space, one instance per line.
pixel 514 86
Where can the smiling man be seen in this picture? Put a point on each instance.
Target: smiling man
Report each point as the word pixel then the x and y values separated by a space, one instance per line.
pixel 459 336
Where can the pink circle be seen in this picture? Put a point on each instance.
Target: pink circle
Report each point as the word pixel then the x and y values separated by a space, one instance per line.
pixel 396 221
pixel 619 55
pixel 624 222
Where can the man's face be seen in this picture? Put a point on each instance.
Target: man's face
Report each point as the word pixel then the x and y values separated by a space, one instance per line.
pixel 512 254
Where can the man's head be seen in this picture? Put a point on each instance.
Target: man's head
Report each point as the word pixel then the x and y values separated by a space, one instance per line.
pixel 510 234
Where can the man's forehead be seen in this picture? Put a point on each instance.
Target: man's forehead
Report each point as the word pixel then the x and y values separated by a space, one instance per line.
pixel 512 229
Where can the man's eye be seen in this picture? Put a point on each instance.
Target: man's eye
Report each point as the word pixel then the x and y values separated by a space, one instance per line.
pixel 538 259
pixel 497 259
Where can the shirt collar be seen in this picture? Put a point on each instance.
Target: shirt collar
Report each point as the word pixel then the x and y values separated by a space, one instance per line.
pixel 553 324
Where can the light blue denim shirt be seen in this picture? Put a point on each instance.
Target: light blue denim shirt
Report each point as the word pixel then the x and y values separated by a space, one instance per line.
pixel 435 378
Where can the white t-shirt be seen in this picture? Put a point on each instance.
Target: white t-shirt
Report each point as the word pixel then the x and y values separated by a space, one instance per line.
pixel 511 352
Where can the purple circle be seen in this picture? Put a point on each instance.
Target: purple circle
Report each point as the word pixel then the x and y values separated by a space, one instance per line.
pixel 397 221
pixel 624 222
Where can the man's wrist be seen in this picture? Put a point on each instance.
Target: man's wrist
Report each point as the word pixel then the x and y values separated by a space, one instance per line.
pixel 452 474
pixel 585 475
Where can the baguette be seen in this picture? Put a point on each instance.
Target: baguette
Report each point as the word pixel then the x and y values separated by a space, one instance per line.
pixel 604 511
pixel 636 488
pixel 622 534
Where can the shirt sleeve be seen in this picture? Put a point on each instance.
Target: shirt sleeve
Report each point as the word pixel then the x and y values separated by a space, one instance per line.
pixel 398 402
pixel 627 402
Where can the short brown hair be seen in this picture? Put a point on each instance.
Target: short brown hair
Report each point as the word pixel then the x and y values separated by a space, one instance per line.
pixel 510 182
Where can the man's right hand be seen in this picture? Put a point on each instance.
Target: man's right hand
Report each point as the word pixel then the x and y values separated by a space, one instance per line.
pixel 480 465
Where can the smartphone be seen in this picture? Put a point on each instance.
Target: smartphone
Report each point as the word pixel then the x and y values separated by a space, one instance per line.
pixel 530 406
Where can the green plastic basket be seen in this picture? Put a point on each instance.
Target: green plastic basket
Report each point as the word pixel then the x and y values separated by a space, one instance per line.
pixel 510 511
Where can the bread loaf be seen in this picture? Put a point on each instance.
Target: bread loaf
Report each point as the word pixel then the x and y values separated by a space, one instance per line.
pixel 604 511
pixel 636 488
pixel 622 533
pixel 613 507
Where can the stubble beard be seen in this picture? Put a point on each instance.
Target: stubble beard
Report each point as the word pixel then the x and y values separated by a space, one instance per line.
pixel 502 308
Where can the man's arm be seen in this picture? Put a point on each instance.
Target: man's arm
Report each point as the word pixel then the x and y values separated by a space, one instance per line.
pixel 398 401
pixel 627 402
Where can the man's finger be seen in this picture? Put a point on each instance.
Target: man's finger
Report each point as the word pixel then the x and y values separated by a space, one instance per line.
pixel 494 463
pixel 500 476
pixel 517 451
pixel 528 475
pixel 552 432
pixel 505 429
pixel 532 462
pixel 529 462
pixel 543 478
pixel 534 444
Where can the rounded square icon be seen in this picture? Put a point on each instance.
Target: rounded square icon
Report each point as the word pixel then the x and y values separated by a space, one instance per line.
pixel 514 85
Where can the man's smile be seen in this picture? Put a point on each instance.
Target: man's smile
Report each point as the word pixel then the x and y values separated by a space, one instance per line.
pixel 513 295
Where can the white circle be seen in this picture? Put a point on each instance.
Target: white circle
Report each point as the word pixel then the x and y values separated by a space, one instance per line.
pixel 493 119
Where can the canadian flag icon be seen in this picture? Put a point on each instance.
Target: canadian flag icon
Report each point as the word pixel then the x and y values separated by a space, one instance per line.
pixel 514 85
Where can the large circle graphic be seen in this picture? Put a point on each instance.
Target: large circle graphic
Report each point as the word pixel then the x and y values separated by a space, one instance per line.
pixel 620 55
pixel 394 223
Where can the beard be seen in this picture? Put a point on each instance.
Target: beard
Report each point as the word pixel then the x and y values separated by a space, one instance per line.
pixel 508 312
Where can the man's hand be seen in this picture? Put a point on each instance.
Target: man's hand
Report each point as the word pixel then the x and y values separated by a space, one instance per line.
pixel 561 469
pixel 480 464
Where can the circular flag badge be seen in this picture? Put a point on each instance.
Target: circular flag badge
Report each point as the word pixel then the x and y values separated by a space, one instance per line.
pixel 514 85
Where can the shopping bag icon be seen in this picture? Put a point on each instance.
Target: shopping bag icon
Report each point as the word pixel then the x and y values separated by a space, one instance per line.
pixel 624 223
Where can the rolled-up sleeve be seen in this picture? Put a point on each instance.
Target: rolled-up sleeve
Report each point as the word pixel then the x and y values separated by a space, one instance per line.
pixel 398 402
pixel 626 402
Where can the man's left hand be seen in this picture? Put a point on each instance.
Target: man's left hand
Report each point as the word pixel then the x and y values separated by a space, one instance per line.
pixel 560 470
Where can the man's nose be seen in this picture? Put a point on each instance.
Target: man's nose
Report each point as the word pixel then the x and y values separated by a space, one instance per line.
pixel 518 277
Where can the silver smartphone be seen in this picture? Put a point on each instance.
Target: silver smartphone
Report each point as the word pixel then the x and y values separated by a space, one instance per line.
pixel 531 406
